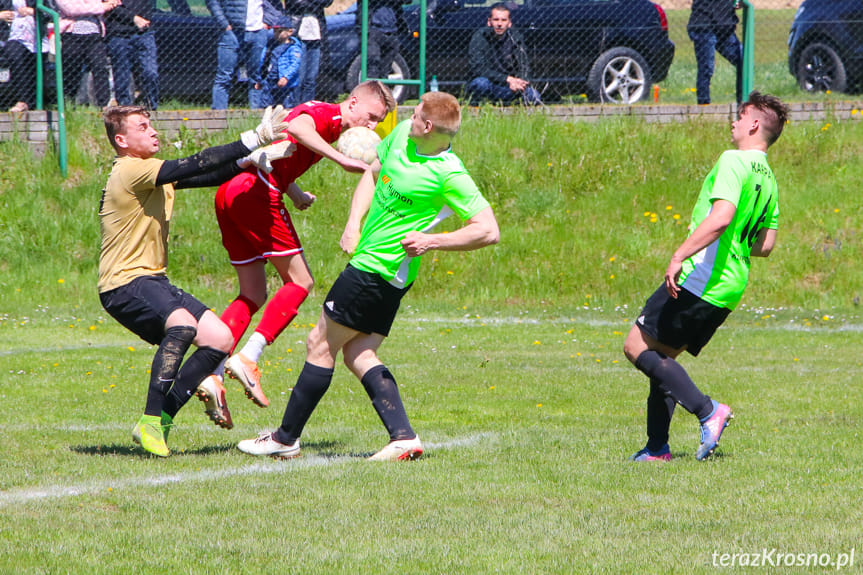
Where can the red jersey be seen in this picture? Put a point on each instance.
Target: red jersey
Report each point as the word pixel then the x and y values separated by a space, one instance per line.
pixel 328 123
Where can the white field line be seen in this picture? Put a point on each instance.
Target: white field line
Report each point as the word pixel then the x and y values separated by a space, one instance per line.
pixel 260 467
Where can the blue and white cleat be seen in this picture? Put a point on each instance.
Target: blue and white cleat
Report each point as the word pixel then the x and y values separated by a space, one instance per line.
pixel 712 428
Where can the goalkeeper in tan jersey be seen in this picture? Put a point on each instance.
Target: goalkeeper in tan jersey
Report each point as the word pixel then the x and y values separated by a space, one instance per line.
pixel 135 213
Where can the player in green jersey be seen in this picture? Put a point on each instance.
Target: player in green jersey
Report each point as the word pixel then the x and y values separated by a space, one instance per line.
pixel 415 183
pixel 735 218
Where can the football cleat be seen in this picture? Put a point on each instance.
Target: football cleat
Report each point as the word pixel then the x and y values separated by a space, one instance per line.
pixel 212 393
pixel 148 434
pixel 712 428
pixel 266 444
pixel 645 454
pixel 246 371
pixel 400 450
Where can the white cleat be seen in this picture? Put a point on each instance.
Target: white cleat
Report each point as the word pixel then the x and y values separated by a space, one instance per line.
pixel 266 444
pixel 400 450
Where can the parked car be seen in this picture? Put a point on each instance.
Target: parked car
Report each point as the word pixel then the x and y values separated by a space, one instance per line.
pixel 825 46
pixel 611 50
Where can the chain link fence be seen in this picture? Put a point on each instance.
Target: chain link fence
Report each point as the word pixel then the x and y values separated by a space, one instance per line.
pixel 570 51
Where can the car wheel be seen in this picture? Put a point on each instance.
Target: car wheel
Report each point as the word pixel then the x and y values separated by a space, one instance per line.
pixel 821 69
pixel 399 71
pixel 619 76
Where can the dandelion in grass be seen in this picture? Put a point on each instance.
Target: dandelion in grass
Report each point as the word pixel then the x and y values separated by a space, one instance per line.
pixel 130 348
pixel 537 342
pixel 61 281
pixel 669 208
pixel 836 211
pixel 826 127
pixel 449 272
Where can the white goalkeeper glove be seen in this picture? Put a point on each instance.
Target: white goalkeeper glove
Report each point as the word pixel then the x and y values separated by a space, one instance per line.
pixel 263 157
pixel 271 128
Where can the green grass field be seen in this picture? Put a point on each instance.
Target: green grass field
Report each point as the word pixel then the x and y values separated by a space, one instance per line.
pixel 527 415
pixel 510 365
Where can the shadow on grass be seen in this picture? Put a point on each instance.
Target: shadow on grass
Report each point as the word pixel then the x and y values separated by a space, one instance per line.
pixel 325 449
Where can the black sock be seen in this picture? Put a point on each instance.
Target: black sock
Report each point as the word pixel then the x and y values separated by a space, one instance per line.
pixel 660 409
pixel 384 393
pixel 675 382
pixel 166 364
pixel 308 391
pixel 199 365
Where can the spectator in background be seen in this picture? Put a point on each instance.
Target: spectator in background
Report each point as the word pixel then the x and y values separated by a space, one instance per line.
pixel 386 22
pixel 82 29
pixel 133 48
pixel 313 34
pixel 20 51
pixel 243 42
pixel 498 62
pixel 712 26
pixel 281 65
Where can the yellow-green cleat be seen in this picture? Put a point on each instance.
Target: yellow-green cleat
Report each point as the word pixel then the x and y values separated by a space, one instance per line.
pixel 148 434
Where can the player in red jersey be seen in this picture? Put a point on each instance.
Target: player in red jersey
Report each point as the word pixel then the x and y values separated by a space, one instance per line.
pixel 256 227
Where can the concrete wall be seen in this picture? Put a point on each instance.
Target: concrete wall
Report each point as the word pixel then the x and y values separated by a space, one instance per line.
pixel 37 128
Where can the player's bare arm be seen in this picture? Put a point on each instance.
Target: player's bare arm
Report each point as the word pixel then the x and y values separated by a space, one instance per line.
pixel 302 129
pixel 360 204
pixel 481 230
pixel 705 234
pixel 763 243
pixel 301 198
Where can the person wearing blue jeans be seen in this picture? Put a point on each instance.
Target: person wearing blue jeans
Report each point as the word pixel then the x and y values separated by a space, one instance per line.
pixel 137 55
pixel 312 33
pixel 132 45
pixel 244 39
pixel 498 63
pixel 711 28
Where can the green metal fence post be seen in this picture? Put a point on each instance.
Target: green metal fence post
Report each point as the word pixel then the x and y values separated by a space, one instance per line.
pixel 747 66
pixel 364 49
pixel 62 149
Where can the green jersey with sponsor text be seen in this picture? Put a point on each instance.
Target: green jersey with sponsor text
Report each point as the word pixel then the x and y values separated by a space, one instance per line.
pixel 718 274
pixel 413 193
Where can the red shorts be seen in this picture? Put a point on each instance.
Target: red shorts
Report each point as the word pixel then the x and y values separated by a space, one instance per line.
pixel 253 219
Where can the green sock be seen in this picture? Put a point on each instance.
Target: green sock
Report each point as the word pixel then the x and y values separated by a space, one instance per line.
pixel 167 422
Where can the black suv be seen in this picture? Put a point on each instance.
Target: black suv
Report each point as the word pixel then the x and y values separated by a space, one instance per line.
pixel 825 45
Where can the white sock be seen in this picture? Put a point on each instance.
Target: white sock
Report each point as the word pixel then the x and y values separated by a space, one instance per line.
pixel 254 347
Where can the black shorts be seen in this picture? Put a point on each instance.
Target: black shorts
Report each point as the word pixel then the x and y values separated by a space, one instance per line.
pixel 143 305
pixel 363 301
pixel 686 321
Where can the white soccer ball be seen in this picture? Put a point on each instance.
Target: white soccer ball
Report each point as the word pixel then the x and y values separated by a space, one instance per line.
pixel 359 143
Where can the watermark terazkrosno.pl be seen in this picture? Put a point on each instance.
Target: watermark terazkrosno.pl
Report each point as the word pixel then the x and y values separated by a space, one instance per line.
pixel 776 558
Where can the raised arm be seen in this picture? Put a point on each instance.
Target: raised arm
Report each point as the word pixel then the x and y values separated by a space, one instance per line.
pixel 302 129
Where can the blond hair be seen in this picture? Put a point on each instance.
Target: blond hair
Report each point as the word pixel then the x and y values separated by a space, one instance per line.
pixel 376 89
pixel 443 110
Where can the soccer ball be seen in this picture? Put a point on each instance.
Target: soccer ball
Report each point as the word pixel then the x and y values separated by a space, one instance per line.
pixel 359 143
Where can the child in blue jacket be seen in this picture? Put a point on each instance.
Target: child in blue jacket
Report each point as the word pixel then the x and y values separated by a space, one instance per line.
pixel 280 68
